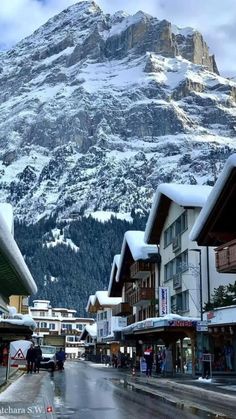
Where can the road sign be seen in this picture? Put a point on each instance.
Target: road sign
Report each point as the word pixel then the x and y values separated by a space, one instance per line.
pixel 19 355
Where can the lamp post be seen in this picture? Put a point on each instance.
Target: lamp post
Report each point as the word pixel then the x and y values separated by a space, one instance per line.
pixel 200 279
pixel 200 297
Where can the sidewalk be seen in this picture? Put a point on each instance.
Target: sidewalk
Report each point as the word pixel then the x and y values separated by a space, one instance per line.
pixel 28 395
pixel 216 398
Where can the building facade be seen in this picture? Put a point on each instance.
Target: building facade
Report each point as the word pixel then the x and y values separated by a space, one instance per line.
pixel 58 327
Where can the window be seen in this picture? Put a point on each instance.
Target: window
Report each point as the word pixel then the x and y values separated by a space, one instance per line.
pixel 70 338
pixel 43 325
pixel 66 326
pixel 185 300
pixel 169 271
pixel 180 302
pixel 178 227
pixel 176 265
pixel 42 313
pixel 52 326
pixel 105 315
pixel 79 326
pixel 168 235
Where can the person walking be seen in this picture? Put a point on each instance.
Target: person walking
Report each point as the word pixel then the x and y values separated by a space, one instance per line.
pixel 38 358
pixel 60 357
pixel 148 355
pixel 205 363
pixel 228 352
pixel 31 359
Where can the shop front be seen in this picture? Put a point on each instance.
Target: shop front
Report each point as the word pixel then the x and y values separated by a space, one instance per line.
pixel 172 340
pixel 222 338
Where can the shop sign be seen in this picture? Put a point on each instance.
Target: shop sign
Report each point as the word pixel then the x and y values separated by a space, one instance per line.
pixel 202 326
pixel 182 323
pixel 164 301
pixel 149 323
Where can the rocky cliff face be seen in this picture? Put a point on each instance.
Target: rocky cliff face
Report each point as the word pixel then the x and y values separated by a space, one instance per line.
pixel 97 110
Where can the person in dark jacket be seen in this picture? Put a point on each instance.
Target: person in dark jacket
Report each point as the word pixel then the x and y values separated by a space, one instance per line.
pixel 148 355
pixel 31 358
pixel 38 359
pixel 60 357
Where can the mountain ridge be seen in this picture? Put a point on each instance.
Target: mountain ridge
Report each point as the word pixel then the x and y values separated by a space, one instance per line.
pixel 97 110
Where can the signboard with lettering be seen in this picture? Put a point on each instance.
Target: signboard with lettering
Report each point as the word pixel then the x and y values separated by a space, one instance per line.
pixel 164 301
pixel 202 326
pixel 182 323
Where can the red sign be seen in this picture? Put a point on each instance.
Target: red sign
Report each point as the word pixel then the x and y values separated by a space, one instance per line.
pixel 181 323
pixel 210 315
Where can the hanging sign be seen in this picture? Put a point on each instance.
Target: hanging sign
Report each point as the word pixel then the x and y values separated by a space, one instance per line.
pixel 164 301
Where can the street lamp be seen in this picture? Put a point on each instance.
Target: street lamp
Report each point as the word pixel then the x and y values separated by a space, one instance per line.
pixel 200 278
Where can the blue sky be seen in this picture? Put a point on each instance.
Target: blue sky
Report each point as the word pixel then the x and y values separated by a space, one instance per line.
pixel 216 19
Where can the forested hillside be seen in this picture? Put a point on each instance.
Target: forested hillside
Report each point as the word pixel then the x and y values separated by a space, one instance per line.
pixel 65 274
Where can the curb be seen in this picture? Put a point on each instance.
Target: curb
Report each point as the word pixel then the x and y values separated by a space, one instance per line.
pixel 12 377
pixel 180 404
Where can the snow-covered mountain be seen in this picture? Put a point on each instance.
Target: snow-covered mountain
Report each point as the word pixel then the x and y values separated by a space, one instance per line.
pixel 96 110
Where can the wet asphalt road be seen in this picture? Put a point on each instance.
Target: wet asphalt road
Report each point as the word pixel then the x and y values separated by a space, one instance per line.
pixel 83 391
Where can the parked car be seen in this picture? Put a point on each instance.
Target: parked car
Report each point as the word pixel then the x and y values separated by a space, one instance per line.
pixel 48 359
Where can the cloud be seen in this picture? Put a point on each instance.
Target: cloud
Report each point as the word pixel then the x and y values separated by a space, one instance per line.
pixel 215 19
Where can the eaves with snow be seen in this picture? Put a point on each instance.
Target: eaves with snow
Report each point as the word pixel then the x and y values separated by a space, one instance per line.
pixel 186 196
pixel 133 249
pixel 89 329
pixel 216 223
pixel 114 271
pixel 14 272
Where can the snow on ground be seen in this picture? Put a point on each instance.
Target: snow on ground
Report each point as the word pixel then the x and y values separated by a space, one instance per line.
pixel 104 216
pixel 60 239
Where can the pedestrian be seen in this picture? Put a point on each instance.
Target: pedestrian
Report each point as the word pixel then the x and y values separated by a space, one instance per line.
pixel 60 357
pixel 31 359
pixel 148 355
pixel 38 359
pixel 205 363
pixel 228 352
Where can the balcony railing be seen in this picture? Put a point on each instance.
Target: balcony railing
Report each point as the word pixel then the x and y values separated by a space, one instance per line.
pixel 177 281
pixel 226 257
pixel 142 296
pixel 70 332
pixel 122 309
pixel 139 270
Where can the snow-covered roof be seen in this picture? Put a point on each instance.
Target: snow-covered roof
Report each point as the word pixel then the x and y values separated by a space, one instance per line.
pixel 90 329
pixel 104 300
pixel 91 301
pixel 138 248
pixel 15 260
pixel 156 321
pixel 114 270
pixel 183 195
pixel 213 197
pixel 18 319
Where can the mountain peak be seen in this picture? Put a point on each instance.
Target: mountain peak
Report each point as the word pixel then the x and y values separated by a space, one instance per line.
pixel 97 110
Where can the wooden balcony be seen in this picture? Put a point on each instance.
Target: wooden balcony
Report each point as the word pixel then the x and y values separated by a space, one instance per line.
pixel 139 270
pixel 122 309
pixel 226 257
pixel 70 332
pixel 142 296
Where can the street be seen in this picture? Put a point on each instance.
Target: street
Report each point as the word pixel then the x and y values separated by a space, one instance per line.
pixel 90 391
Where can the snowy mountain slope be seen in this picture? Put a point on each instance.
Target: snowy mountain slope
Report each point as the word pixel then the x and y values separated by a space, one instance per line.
pixel 97 110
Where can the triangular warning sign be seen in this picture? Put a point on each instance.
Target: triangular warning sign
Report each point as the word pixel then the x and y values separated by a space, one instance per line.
pixel 19 355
